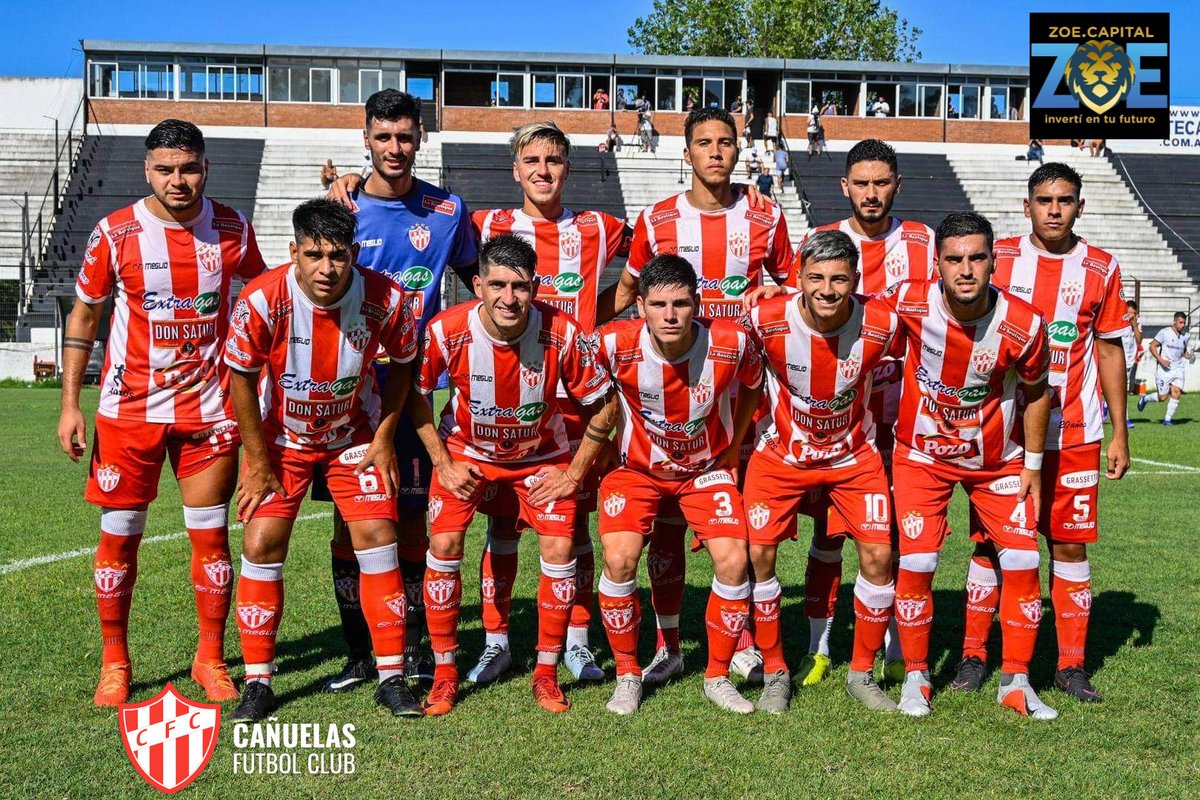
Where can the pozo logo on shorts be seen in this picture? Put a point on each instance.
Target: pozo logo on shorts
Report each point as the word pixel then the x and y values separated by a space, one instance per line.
pixel 416 278
pixel 1062 331
pixel 340 386
pixel 206 303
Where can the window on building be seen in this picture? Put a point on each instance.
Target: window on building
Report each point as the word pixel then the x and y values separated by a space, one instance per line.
pixel 998 105
pixel 630 88
pixel 964 101
pixel 544 91
pixel 836 97
pixel 929 100
pixel 509 89
pixel 321 82
pixel 572 91
pixel 420 87
pixel 666 91
pixel 103 79
pixel 1016 102
pixel 714 93
pixel 797 97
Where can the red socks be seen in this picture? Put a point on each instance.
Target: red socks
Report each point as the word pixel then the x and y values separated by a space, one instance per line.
pixel 621 613
pixel 872 612
pixel 556 595
pixel 498 573
pixel 666 564
pixel 725 618
pixel 914 607
pixel 1071 593
pixel 822 579
pixel 114 574
pixel 768 597
pixel 983 600
pixel 259 610
pixel 443 599
pixel 384 603
pixel 212 576
pixel 585 585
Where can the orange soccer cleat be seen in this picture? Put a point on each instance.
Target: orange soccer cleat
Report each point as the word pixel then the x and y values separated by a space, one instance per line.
pixel 442 697
pixel 213 676
pixel 113 689
pixel 549 695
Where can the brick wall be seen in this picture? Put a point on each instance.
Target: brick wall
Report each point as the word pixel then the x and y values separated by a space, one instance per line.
pixel 151 112
pixel 890 129
pixel 314 115
pixel 463 118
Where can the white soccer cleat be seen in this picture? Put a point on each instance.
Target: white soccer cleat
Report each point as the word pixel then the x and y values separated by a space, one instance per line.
pixel 493 662
pixel 582 664
pixel 1020 697
pixel 665 665
pixel 724 695
pixel 627 697
pixel 748 665
pixel 915 695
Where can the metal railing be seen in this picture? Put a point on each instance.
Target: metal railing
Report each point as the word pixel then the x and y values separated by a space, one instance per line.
pixel 37 226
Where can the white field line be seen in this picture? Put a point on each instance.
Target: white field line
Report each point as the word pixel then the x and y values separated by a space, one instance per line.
pixel 37 561
pixel 1175 467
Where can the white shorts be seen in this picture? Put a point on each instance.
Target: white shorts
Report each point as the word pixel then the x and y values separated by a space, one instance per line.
pixel 1165 377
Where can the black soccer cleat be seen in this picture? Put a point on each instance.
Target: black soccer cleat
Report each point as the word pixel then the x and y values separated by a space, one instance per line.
pixel 356 672
pixel 969 677
pixel 257 703
pixel 1077 683
pixel 395 695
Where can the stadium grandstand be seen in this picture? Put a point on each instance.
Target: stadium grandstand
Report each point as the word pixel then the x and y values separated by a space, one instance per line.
pixel 274 114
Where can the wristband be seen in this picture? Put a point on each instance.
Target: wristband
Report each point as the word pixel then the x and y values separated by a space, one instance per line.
pixel 1033 460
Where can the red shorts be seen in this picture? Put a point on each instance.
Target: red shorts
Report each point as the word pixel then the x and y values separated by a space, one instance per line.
pixel 816 504
pixel 357 497
pixel 775 490
pixel 1070 489
pixel 127 457
pixel 630 500
pixel 448 514
pixel 923 492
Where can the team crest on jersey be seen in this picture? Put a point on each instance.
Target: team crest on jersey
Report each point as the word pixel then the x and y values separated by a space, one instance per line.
pixel 254 616
pixel 219 571
pixel 531 375
pixel 419 235
pixel 617 618
pixel 895 263
pixel 440 590
pixel 570 242
pixel 910 607
pixel 358 336
pixel 487 588
pixel 435 508
pixel 913 524
pixel 739 244
pixel 758 515
pixel 89 253
pixel 1081 596
pixel 1071 292
pixel 978 592
pixel 614 504
pixel 109 575
pixel 564 589
pixel 734 620
pixel 1032 609
pixel 107 476
pixel 702 392
pixel 347 588
pixel 209 256
pixel 849 367
pixel 983 360
pixel 398 604
pixel 169 739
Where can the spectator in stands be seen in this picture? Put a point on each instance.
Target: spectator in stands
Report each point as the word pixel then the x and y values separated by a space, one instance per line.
pixel 754 164
pixel 814 132
pixel 952 112
pixel 747 137
pixel 881 107
pixel 600 99
pixel 1096 146
pixel 736 106
pixel 329 173
pixel 770 132
pixel 1036 151
pixel 764 180
pixel 689 100
pixel 612 139
pixel 830 109
pixel 621 104
pixel 782 166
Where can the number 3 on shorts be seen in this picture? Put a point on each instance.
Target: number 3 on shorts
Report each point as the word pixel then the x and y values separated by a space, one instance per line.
pixel 724 504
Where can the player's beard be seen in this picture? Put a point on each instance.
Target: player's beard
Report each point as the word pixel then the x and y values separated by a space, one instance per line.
pixel 964 299
pixel 873 214
pixel 389 172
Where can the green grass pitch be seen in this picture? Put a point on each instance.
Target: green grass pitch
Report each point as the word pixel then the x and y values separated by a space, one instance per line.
pixel 1144 650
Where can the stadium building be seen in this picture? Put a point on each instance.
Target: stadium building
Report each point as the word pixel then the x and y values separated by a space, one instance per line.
pixel 273 114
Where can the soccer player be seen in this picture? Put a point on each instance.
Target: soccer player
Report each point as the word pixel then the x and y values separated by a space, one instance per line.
pixel 573 250
pixel 411 231
pixel 506 354
pixel 170 259
pixel 730 238
pixel 303 391
pixel 1076 286
pixel 890 250
pixel 970 347
pixel 1170 349
pixel 821 348
pixel 678 439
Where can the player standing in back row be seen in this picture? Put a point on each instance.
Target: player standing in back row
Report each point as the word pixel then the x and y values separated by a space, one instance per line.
pixel 1076 287
pixel 170 259
pixel 730 239
pixel 573 249
pixel 412 231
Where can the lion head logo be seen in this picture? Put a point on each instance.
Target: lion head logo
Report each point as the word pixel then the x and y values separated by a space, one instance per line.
pixel 1099 74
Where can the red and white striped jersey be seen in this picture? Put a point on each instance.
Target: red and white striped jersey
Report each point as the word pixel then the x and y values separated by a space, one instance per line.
pixel 502 393
pixel 818 383
pixel 319 389
pixel 572 252
pixel 904 253
pixel 729 249
pixel 171 309
pixel 677 415
pixel 1079 295
pixel 959 401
